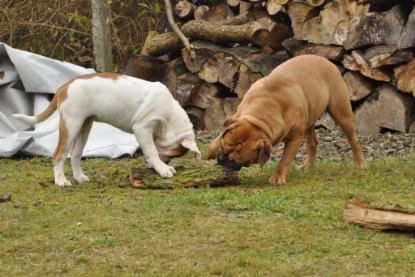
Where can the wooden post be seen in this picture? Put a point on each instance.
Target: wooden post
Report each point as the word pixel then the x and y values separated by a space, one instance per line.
pixel 101 35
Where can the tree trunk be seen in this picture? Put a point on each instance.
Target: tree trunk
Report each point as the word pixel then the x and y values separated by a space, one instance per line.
pixel 101 35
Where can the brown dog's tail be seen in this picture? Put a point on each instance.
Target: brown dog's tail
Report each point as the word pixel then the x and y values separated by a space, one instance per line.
pixel 30 120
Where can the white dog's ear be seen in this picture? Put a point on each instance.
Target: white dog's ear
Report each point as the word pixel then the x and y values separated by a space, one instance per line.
pixel 190 143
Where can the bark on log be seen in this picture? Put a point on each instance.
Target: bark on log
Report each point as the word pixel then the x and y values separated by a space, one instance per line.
pixel 334 25
pixel 224 65
pixel 363 213
pixel 404 76
pixel 170 73
pixel 356 62
pixel 163 44
pixel 214 114
pixel 299 14
pixel 407 38
pixel 196 116
pixel 204 50
pixel 278 33
pixel 378 28
pixel 142 67
pixel 185 87
pixel 386 108
pixel 245 79
pixel 358 85
pixel 250 32
pixel 330 52
pixel 230 105
pixel 204 93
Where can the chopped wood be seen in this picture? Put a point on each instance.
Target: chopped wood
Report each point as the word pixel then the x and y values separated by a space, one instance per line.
pixel 378 54
pixel 223 66
pixel 334 23
pixel 196 116
pixel 412 128
pixel 142 67
pixel 185 87
pixel 378 28
pixel 278 33
pixel 170 73
pixel 315 3
pixel 358 85
pixel 404 76
pixel 356 62
pixel 246 78
pixel 245 6
pixel 330 52
pixel 163 44
pixel 299 14
pixel 407 38
pixel 204 50
pixel 292 44
pixel 386 108
pixel 250 32
pixel 201 12
pixel 184 9
pixel 204 93
pixel 215 114
pixel 273 7
pixel 363 213
pixel 234 3
pixel 230 104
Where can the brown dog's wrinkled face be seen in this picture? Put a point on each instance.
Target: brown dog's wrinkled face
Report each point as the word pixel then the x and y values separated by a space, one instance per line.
pixel 241 145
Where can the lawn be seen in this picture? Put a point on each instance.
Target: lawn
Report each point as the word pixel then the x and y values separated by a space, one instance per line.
pixel 107 228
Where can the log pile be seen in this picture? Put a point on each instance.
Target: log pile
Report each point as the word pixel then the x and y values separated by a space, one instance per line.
pixel 236 42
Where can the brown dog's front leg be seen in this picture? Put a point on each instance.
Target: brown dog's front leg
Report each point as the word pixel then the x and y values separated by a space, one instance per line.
pixel 290 149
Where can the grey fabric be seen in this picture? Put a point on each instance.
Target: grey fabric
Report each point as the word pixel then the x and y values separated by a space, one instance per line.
pixel 27 82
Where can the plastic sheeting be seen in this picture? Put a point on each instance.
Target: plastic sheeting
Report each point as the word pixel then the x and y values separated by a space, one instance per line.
pixel 27 81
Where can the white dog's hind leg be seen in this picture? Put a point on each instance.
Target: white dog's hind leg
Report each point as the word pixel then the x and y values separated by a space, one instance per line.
pixel 68 130
pixel 77 149
pixel 145 139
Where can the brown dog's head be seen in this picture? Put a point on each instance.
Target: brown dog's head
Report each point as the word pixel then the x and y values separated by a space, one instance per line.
pixel 242 144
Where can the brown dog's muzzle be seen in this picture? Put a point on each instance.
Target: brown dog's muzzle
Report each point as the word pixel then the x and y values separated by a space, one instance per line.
pixel 224 161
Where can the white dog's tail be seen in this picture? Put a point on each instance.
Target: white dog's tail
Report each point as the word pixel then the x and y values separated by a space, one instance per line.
pixel 30 120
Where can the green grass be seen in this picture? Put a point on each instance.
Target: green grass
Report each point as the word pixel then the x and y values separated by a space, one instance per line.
pixel 106 228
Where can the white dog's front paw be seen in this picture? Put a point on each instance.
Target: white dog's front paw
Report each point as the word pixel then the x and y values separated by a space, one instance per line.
pixel 164 170
pixel 81 178
pixel 63 183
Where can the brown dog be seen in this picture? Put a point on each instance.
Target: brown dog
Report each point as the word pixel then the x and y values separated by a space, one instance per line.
pixel 283 107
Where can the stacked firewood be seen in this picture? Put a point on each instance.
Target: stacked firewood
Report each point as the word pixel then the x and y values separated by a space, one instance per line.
pixel 236 42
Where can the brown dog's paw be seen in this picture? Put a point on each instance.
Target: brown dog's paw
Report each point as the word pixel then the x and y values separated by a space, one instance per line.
pixel 360 164
pixel 277 179
pixel 304 166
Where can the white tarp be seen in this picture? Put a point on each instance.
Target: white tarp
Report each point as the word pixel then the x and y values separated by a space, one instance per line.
pixel 26 83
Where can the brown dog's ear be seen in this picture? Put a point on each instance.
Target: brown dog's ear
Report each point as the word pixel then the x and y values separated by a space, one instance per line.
pixel 214 147
pixel 229 121
pixel 265 153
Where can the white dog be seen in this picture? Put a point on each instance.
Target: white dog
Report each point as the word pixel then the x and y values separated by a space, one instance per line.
pixel 162 128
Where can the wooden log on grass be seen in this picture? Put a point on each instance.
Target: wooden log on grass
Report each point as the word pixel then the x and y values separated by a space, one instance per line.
pixel 361 212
